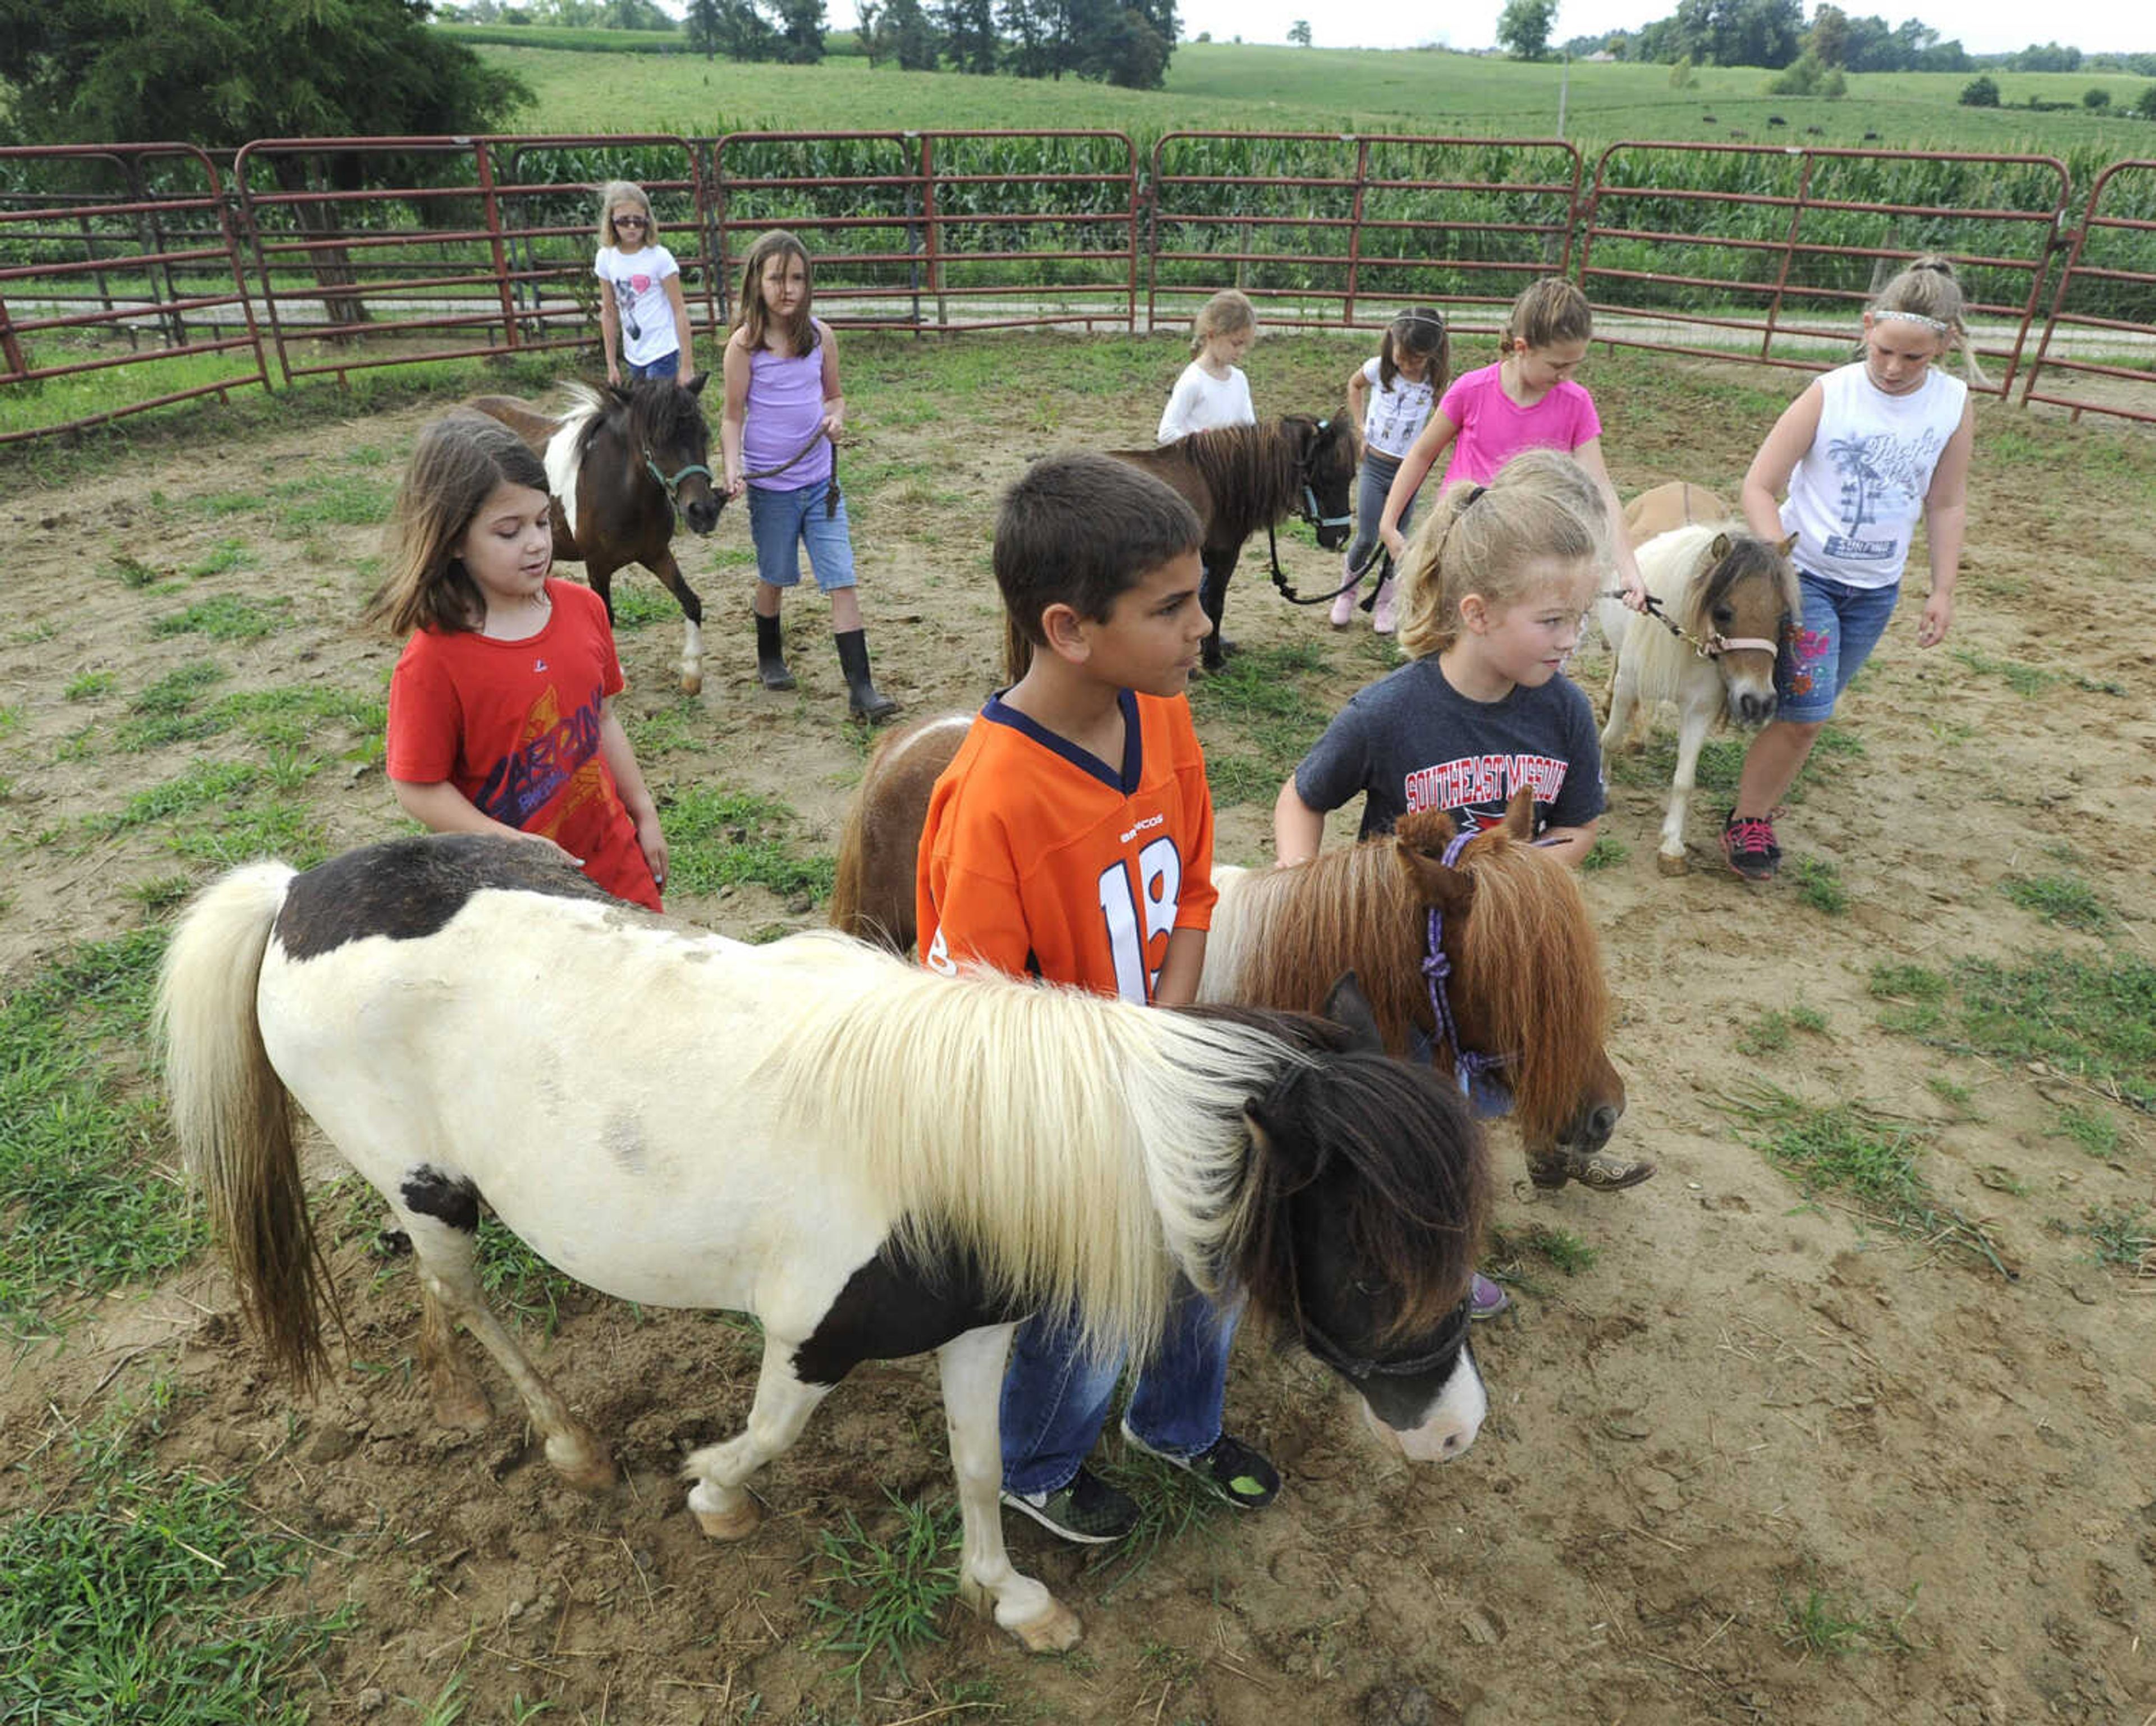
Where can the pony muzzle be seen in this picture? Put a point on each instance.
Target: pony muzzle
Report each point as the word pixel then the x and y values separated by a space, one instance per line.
pixel 1451 1426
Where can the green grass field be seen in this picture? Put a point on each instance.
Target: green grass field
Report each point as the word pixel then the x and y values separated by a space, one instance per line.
pixel 1249 87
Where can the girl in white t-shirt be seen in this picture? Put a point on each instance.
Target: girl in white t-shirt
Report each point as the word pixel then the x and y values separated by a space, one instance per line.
pixel 644 321
pixel 1392 395
pixel 1212 391
pixel 1863 454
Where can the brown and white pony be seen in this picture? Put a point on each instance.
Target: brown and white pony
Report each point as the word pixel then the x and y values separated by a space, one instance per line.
pixel 874 1160
pixel 1526 980
pixel 1241 478
pixel 620 464
pixel 1720 601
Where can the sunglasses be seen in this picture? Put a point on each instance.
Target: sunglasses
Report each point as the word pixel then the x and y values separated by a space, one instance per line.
pixel 632 221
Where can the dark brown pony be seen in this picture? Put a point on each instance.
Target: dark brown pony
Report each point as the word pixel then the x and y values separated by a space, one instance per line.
pixel 620 462
pixel 1244 477
pixel 1527 979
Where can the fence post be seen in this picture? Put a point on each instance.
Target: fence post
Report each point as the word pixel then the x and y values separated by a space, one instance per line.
pixel 1355 225
pixel 483 164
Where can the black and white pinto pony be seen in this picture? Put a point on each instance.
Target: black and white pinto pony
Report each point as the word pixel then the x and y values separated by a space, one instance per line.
pixel 622 464
pixel 1721 599
pixel 873 1160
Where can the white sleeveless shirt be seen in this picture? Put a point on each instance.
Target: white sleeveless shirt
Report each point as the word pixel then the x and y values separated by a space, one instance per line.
pixel 1859 491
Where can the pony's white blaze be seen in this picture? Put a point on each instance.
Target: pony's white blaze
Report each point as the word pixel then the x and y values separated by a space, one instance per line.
pixel 1452 1423
pixel 565 454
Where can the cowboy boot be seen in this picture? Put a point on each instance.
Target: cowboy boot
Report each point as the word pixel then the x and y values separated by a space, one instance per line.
pixel 770 655
pixel 864 699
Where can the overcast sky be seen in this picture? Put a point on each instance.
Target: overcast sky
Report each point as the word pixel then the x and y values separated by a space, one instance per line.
pixel 1983 26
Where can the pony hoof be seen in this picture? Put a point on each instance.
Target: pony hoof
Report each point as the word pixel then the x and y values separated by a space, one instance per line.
pixel 462 1409
pixel 1551 1172
pixel 1678 865
pixel 735 1524
pixel 692 683
pixel 1056 1631
pixel 585 1466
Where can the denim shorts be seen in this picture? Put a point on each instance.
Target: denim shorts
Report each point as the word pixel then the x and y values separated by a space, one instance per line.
pixel 667 365
pixel 781 522
pixel 1821 655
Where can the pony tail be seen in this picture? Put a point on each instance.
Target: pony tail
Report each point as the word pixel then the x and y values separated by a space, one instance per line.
pixel 234 1119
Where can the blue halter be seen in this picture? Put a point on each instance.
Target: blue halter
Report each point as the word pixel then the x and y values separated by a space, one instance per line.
pixel 1474 1070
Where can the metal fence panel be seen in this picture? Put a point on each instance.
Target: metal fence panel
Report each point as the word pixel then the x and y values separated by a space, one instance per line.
pixel 2105 309
pixel 1768 253
pixel 120 255
pixel 1334 230
pixel 942 230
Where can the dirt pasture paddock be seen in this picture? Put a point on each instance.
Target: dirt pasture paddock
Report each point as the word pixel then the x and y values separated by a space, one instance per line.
pixel 1847 1415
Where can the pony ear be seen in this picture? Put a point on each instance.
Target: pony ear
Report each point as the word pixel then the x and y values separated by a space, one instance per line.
pixel 1787 546
pixel 1349 1007
pixel 621 393
pixel 695 386
pixel 1449 890
pixel 1520 814
pixel 1720 548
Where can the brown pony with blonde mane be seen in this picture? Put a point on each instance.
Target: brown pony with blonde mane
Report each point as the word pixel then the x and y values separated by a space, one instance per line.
pixel 1526 978
pixel 1525 983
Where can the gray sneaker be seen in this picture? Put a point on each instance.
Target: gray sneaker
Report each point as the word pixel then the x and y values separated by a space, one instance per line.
pixel 1086 1509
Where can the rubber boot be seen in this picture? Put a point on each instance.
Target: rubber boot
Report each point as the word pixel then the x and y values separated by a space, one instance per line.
pixel 864 699
pixel 770 656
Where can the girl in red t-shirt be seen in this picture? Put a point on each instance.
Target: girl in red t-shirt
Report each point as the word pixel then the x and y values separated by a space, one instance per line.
pixel 502 706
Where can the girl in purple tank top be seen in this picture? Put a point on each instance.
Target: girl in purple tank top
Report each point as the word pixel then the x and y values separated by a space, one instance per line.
pixel 784 414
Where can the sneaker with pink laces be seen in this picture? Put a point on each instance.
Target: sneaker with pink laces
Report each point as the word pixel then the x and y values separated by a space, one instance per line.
pixel 1748 841
pixel 1381 613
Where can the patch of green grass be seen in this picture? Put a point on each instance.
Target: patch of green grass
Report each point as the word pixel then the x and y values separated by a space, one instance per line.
pixel 1653 763
pixel 636 602
pixel 12 718
pixel 1860 1154
pixel 1263 692
pixel 2092 1129
pixel 682 723
pixel 1769 1033
pixel 716 838
pixel 1809 1019
pixel 350 499
pixel 218 505
pixel 1820 884
pixel 1234 779
pixel 229 555
pixel 227 617
pixel 129 571
pixel 1821 1623
pixel 883 1596
pixel 228 811
pixel 293 715
pixel 2117 1234
pixel 2064 899
pixel 1172 1506
pixel 140 1599
pixel 83 1205
pixel 1563 1249
pixel 2093 1019
pixel 516 1277
pixel 89 686
pixel 1959 1098
pixel 1605 853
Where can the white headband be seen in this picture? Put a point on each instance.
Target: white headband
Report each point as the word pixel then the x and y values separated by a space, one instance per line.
pixel 1935 325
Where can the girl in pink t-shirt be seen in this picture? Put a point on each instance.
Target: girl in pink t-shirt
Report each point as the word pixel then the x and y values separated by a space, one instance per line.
pixel 1527 401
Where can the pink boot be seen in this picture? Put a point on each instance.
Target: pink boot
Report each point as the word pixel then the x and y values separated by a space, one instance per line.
pixel 1381 613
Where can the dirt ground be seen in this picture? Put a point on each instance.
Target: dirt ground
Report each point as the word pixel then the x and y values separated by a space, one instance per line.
pixel 1748 1420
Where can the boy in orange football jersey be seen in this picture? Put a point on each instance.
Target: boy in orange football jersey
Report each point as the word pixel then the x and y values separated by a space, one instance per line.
pixel 1071 839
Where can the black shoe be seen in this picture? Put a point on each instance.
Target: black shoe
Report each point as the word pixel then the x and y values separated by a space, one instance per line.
pixel 1086 1509
pixel 1749 843
pixel 864 699
pixel 770 656
pixel 1238 1473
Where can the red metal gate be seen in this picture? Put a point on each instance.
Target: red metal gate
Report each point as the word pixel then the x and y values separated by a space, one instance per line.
pixel 937 230
pixel 2107 285
pixel 1327 230
pixel 138 249
pixel 1699 248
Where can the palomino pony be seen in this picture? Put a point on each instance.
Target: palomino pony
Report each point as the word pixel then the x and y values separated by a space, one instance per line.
pixel 620 464
pixel 1526 992
pixel 1679 504
pixel 873 1159
pixel 1721 600
pixel 1241 478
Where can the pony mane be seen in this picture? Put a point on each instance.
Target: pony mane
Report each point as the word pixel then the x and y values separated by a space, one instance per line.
pixel 1527 952
pixel 659 411
pixel 1680 570
pixel 1049 1110
pixel 1251 472
pixel 580 423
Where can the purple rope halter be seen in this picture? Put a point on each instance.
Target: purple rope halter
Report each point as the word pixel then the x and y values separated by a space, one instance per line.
pixel 1468 1065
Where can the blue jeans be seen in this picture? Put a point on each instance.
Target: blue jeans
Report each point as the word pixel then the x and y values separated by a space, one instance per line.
pixel 1055 1395
pixel 1841 625
pixel 667 365
pixel 781 522
pixel 1370 494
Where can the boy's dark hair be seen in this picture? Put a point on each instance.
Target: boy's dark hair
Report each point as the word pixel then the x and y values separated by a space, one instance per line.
pixel 1077 531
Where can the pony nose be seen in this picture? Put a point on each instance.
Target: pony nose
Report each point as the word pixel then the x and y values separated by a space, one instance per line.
pixel 1332 539
pixel 1603 1122
pixel 1754 709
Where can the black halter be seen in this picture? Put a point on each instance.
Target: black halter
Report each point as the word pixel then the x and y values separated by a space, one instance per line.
pixel 1312 512
pixel 1358 1367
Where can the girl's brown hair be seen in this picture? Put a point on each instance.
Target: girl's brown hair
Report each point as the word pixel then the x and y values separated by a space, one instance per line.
pixel 1482 539
pixel 616 191
pixel 1226 312
pixel 754 318
pixel 1928 293
pixel 1420 330
pixel 1546 312
pixel 455 466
